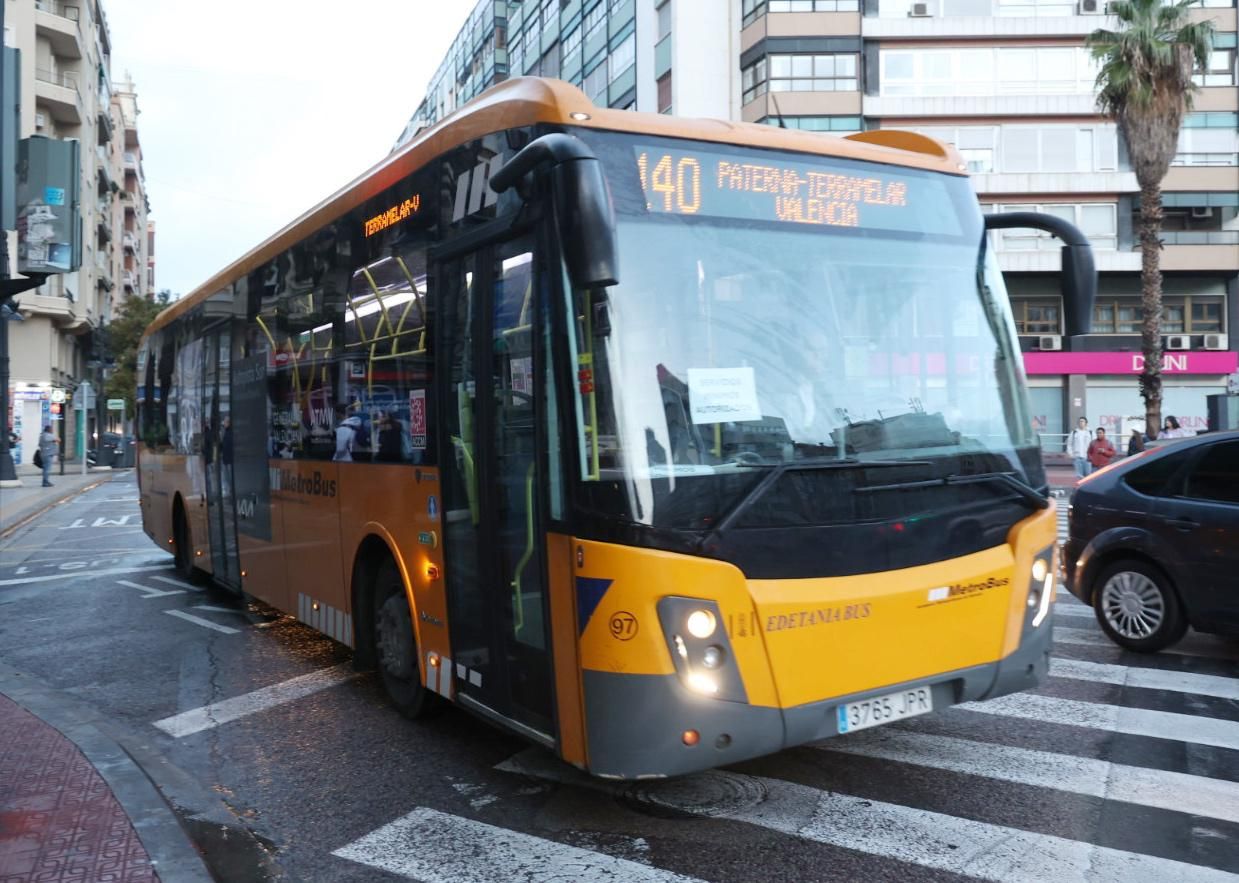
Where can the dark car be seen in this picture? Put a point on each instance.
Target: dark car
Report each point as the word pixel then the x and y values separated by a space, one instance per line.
pixel 1153 542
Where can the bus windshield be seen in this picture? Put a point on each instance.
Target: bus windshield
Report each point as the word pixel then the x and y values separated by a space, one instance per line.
pixel 737 341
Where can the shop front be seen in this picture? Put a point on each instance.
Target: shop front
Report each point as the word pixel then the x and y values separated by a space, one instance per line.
pixel 1105 388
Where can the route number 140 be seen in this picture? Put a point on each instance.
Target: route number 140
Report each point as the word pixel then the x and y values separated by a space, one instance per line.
pixel 677 182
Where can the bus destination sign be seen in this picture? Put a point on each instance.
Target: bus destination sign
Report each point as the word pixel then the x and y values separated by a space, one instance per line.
pixel 394 215
pixel 755 187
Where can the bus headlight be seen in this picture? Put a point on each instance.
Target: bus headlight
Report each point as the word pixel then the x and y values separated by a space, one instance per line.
pixel 700 648
pixel 1041 586
pixel 701 624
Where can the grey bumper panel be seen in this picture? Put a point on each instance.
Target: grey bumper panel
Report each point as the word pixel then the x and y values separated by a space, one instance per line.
pixel 635 722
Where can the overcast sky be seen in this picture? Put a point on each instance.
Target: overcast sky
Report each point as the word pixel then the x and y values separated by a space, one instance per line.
pixel 252 111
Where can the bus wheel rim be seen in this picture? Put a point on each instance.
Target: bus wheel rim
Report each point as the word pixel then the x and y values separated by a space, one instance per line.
pixel 1133 605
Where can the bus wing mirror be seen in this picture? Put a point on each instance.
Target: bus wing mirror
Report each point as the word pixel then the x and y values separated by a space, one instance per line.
pixel 1079 275
pixel 584 215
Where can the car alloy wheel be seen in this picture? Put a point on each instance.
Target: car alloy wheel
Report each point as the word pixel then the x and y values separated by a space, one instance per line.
pixel 1133 605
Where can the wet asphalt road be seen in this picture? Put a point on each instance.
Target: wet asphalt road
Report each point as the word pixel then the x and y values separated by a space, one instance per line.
pixel 1121 767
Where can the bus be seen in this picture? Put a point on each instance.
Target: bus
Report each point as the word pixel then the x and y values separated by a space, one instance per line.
pixel 663 443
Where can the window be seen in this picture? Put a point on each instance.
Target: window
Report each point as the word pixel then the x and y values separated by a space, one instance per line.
pixel 1182 314
pixel 550 62
pixel 595 21
pixel 839 124
pixel 985 72
pixel 572 47
pixel 1207 146
pixel 664 93
pixel 1220 70
pixel 664 19
pixel 1215 476
pixel 1097 220
pixel 622 58
pixel 814 5
pixel 752 10
pixel 1154 480
pixel 1036 316
pixel 800 73
pixel 550 14
pixel 596 84
pixel 1039 8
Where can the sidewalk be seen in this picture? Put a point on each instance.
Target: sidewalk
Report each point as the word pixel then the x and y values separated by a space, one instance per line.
pixel 19 504
pixel 73 805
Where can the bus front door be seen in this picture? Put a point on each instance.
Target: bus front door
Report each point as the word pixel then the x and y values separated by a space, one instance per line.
pixel 217 449
pixel 493 530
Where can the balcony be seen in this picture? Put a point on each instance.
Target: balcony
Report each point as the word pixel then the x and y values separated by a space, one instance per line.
pixel 130 281
pixel 131 163
pixel 59 24
pixel 104 229
pixel 58 91
pixel 103 127
pixel 131 243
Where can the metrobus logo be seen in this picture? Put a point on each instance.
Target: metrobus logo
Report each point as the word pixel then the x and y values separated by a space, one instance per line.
pixel 296 483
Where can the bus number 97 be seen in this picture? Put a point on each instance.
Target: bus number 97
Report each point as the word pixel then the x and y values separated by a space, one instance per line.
pixel 677 181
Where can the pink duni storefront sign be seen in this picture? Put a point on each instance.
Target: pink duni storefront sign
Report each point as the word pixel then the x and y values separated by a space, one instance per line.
pixel 1130 363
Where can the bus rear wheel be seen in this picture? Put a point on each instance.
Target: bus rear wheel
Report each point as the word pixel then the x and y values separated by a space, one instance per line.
pixel 395 645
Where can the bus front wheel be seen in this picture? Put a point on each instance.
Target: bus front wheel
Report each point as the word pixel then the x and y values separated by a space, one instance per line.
pixel 395 646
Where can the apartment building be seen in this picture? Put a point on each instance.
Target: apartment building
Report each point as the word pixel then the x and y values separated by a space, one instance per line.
pixel 1009 82
pixel 133 204
pixel 67 94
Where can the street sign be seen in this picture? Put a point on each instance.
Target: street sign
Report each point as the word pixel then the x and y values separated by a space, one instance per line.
pixel 58 396
pixel 116 404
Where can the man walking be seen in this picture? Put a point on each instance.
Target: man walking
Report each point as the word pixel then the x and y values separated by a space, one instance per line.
pixel 47 451
pixel 1101 451
pixel 1077 446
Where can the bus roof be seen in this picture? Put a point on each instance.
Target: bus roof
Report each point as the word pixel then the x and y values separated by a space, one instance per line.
pixel 526 101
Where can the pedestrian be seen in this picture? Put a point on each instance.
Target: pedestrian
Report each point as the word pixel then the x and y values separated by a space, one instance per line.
pixel 1101 451
pixel 1135 444
pixel 346 434
pixel 1172 429
pixel 1077 447
pixel 47 451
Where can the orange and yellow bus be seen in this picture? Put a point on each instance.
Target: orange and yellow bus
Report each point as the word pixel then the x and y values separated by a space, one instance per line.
pixel 665 443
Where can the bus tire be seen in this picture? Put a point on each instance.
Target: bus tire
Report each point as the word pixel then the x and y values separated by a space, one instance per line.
pixel 395 644
pixel 182 547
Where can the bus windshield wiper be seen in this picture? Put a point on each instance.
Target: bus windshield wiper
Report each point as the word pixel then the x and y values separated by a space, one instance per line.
pixel 1027 493
pixel 780 469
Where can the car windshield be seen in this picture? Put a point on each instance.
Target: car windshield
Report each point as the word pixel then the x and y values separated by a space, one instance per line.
pixel 736 344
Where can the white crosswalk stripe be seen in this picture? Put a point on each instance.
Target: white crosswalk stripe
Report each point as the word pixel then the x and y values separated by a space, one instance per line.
pixel 1193 644
pixel 437 847
pixel 1180 792
pixel 1114 718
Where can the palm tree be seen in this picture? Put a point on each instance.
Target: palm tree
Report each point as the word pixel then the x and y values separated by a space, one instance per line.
pixel 1145 85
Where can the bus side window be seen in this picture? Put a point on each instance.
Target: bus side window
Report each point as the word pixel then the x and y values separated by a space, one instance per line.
pixel 387 377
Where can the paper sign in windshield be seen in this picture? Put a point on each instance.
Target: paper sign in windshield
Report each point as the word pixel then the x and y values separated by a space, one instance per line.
pixel 722 395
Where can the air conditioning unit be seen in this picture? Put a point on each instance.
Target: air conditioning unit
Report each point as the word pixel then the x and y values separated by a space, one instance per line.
pixel 1050 342
pixel 919 10
pixel 1178 342
pixel 1216 342
pixel 39 121
pixel 1092 7
pixel 1202 211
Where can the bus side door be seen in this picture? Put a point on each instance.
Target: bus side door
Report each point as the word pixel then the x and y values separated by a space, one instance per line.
pixel 493 526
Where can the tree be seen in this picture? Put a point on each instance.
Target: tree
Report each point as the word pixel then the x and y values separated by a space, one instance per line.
pixel 1145 85
pixel 125 333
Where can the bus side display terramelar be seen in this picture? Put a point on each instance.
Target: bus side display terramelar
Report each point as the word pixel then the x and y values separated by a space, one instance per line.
pixel 772 187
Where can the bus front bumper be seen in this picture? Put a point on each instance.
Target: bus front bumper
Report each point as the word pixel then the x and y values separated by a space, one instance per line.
pixel 636 723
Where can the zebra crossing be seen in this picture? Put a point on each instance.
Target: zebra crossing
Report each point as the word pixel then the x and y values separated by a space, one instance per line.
pixel 1121 767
